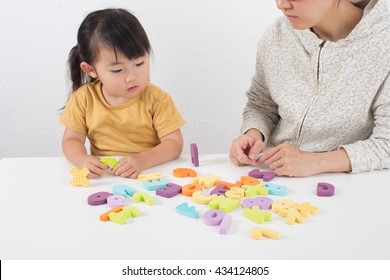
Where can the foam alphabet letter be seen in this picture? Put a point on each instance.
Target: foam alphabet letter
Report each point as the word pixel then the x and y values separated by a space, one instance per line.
pixel 264 203
pixel 225 224
pixel 122 216
pixel 265 175
pixel 116 200
pixel 226 204
pixel 256 215
pixel 123 190
pixel 213 217
pixel 98 198
pixel 155 184
pixel 184 172
pixel 198 197
pixel 276 189
pixel 189 189
pixel 79 177
pixel 187 211
pixel 325 189
pixel 206 181
pixel 142 196
pixel 170 190
pixel 258 232
pixel 194 154
pixel 219 190
pixel 235 192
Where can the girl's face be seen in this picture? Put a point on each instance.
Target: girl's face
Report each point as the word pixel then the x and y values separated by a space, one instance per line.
pixel 121 78
pixel 304 14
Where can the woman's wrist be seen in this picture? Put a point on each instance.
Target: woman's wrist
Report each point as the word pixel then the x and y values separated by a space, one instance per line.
pixel 255 133
pixel 333 161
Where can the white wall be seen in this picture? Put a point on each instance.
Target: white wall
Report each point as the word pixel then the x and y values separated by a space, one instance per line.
pixel 204 56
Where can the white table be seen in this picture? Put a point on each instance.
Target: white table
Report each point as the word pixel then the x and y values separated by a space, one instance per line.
pixel 44 217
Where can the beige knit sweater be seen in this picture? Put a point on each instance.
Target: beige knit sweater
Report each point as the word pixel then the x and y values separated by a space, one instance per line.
pixel 320 96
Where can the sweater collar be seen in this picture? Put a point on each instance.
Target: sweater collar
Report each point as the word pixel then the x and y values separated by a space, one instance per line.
pixel 374 12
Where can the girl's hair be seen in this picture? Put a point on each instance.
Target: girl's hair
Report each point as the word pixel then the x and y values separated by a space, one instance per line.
pixel 113 28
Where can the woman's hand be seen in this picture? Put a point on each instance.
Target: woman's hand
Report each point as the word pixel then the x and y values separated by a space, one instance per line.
pixel 287 160
pixel 245 149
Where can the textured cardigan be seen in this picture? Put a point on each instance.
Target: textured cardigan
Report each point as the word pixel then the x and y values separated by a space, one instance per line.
pixel 321 95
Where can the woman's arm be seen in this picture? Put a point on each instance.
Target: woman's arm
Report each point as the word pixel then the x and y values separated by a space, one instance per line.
pixel 287 160
pixel 374 152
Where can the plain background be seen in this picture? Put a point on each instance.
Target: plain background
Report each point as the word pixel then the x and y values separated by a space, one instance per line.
pixel 204 56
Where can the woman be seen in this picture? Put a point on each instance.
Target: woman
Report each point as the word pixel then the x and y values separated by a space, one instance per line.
pixel 320 97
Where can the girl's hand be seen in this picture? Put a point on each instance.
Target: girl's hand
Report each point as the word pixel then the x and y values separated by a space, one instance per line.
pixel 287 160
pixel 245 150
pixel 128 167
pixel 94 165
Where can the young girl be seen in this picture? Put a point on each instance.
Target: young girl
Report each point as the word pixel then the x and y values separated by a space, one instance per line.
pixel 320 98
pixel 113 103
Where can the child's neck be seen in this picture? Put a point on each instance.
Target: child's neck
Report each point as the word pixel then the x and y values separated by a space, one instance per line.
pixel 116 100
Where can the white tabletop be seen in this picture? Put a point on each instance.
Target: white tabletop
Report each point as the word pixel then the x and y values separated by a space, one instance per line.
pixel 44 217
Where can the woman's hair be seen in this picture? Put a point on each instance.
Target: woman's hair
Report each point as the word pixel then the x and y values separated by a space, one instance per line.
pixel 112 28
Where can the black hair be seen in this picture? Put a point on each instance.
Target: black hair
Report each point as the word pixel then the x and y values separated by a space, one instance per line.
pixel 113 28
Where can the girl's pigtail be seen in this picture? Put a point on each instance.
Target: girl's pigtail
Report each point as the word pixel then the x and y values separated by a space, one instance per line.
pixel 76 75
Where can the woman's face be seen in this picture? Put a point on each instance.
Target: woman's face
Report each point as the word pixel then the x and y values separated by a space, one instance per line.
pixel 304 14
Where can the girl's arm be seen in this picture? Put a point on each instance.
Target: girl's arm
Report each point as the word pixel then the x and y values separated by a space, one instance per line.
pixel 170 148
pixel 73 146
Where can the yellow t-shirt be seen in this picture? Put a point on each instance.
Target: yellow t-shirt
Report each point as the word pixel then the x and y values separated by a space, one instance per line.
pixel 129 128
